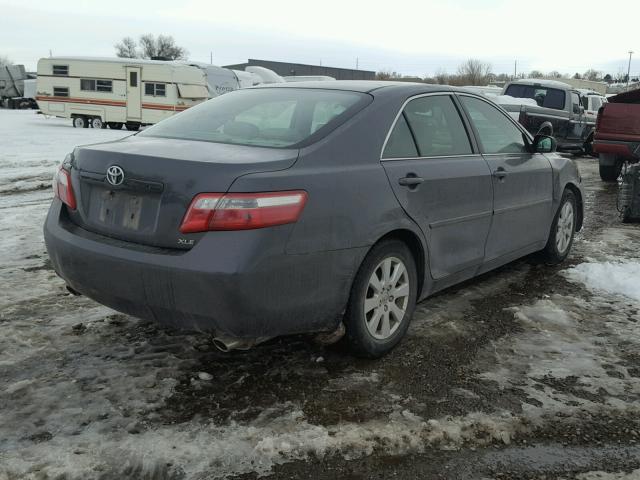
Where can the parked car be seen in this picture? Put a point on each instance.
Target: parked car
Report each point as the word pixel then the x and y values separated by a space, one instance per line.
pixel 559 112
pixel 591 102
pixel 617 136
pixel 295 207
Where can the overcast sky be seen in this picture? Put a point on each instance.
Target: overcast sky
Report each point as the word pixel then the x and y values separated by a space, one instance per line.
pixel 413 38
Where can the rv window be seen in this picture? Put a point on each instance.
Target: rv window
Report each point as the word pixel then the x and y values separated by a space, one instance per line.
pixel 133 79
pixel 61 69
pixel 60 92
pixel 89 85
pixel 104 85
pixel 155 89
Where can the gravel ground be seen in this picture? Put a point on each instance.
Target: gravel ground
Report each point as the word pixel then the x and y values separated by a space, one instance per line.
pixel 528 372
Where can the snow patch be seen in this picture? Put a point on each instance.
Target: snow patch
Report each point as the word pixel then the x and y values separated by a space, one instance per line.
pixel 618 278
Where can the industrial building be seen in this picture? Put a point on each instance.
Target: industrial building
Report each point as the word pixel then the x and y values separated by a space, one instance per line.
pixel 286 69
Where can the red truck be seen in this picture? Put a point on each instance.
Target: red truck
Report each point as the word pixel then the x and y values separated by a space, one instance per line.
pixel 617 136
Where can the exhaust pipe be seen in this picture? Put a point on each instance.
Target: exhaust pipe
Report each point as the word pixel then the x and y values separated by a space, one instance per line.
pixel 226 344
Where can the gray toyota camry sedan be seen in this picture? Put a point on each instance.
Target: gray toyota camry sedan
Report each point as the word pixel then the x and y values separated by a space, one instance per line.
pixel 300 208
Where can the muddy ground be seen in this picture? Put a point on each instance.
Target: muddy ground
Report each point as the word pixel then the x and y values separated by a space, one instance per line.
pixel 523 373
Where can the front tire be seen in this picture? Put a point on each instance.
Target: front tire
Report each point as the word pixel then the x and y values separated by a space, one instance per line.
pixel 115 125
pixel 382 300
pixel 563 230
pixel 132 126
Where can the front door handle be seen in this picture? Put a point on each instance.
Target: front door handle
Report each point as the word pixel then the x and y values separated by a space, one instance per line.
pixel 410 181
pixel 500 173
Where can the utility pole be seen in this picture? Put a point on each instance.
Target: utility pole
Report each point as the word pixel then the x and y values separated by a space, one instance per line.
pixel 629 69
pixel 515 69
pixel 357 62
pixel 211 58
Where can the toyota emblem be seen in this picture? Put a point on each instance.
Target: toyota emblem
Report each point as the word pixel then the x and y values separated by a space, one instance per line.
pixel 115 175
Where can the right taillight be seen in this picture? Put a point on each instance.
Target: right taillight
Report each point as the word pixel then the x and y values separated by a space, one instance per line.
pixel 242 211
pixel 62 188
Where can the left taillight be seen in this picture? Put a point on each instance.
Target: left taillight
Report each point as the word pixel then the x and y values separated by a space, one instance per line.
pixel 242 211
pixel 62 188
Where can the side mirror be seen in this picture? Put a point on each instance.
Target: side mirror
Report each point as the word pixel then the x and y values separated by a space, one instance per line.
pixel 544 144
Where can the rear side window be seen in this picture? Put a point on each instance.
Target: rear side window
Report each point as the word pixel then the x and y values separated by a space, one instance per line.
pixel 267 117
pixel 400 143
pixel 497 134
pixel 544 97
pixel 575 101
pixel 437 126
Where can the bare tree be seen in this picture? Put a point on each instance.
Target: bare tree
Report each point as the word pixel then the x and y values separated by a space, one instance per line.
pixel 474 72
pixel 536 74
pixel 127 48
pixel 387 75
pixel 592 75
pixel 554 74
pixel 442 77
pixel 5 60
pixel 164 46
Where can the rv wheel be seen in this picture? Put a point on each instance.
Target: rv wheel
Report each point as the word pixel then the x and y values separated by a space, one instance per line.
pixel 80 122
pixel 115 125
pixel 132 126
pixel 98 123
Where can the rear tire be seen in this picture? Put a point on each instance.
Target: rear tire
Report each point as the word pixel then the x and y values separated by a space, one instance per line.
pixel 115 125
pixel 80 122
pixel 98 123
pixel 610 173
pixel 134 127
pixel 563 230
pixel 382 301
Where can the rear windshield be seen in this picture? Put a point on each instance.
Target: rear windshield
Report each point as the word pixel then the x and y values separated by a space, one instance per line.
pixel 265 117
pixel 544 97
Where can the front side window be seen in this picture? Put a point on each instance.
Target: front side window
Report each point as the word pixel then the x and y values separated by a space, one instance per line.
pixel 268 117
pixel 544 97
pixel 60 92
pixel 496 133
pixel 61 70
pixel 155 89
pixel 437 126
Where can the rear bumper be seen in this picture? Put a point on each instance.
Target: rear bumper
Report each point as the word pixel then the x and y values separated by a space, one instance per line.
pixel 239 284
pixel 626 150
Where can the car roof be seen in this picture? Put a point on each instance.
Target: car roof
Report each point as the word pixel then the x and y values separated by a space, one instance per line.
pixel 368 86
pixel 542 82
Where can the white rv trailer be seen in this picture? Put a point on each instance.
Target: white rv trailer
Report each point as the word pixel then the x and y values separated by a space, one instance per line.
pixel 113 92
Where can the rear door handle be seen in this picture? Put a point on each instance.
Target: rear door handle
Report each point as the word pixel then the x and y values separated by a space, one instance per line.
pixel 500 173
pixel 410 181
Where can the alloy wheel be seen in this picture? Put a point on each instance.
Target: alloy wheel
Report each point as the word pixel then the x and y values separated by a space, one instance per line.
pixel 387 298
pixel 565 227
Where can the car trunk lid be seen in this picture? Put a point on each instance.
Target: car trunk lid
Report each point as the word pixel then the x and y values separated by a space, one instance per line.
pixel 153 181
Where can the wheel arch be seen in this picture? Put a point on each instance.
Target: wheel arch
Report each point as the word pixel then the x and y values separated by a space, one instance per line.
pixel 417 248
pixel 580 203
